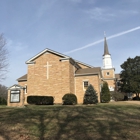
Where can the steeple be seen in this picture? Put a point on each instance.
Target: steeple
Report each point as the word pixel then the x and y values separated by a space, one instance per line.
pixel 106 52
pixel 107 62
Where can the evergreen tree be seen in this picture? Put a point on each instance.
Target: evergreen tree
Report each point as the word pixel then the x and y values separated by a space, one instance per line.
pixel 130 76
pixel 105 93
pixel 90 96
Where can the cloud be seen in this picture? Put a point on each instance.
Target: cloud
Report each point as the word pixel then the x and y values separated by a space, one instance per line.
pixel 100 14
pixel 107 14
pixel 128 12
pixel 15 46
pixel 76 1
pixel 99 41
pixel 44 8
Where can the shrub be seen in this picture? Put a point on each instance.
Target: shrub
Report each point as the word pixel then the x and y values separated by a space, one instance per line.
pixel 105 93
pixel 136 98
pixel 3 101
pixel 90 96
pixel 125 98
pixel 117 96
pixel 69 99
pixel 40 100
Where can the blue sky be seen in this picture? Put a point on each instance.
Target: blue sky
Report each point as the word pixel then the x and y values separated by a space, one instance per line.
pixel 30 26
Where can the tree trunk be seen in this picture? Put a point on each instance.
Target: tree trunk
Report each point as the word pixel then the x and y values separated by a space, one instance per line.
pixel 137 96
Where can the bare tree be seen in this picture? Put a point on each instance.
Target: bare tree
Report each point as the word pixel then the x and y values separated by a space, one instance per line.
pixel 3 58
pixel 3 91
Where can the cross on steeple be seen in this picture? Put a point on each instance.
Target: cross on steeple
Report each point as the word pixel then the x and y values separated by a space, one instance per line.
pixel 47 69
pixel 104 34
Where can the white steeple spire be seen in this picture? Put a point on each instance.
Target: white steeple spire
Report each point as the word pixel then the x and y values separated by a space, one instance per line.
pixel 107 61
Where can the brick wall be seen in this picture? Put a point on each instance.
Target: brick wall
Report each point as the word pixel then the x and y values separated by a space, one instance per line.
pixel 111 73
pixel 61 77
pixel 94 80
pixel 109 78
pixel 22 83
pixel 111 83
pixel 72 84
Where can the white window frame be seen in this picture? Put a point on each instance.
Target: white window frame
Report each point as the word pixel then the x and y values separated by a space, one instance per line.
pixel 15 93
pixel 25 88
pixel 83 84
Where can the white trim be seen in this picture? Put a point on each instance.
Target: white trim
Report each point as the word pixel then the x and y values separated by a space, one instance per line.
pixel 86 80
pixel 108 68
pixel 83 84
pixel 25 88
pixel 47 69
pixel 15 86
pixel 83 64
pixel 74 80
pixel 46 50
pixel 67 58
pixel 75 84
pixel 108 78
pixel 86 74
pixel 64 60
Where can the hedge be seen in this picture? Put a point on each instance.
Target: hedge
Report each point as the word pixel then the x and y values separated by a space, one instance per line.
pixel 69 99
pixel 117 96
pixel 40 100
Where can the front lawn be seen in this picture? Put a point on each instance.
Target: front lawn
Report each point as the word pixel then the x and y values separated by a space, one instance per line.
pixel 113 121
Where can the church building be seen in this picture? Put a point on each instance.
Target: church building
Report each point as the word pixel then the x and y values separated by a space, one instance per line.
pixel 51 73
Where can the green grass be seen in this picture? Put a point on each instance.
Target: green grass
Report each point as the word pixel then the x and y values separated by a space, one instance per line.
pixel 113 121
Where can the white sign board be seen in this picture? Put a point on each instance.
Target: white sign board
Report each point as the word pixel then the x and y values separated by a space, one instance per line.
pixel 15 96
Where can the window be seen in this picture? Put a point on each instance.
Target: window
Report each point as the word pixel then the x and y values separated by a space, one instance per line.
pixel 85 85
pixel 107 73
pixel 25 89
pixel 15 96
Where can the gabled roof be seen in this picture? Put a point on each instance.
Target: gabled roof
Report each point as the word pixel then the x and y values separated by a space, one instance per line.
pixel 44 51
pixel 88 71
pixel 31 60
pixel 84 64
pixel 22 78
pixel 106 52
pixel 16 86
pixel 72 61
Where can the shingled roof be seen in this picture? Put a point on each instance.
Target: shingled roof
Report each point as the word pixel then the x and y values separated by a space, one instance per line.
pixel 88 71
pixel 22 78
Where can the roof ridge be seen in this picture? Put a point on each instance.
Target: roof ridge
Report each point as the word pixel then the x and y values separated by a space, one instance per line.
pixel 45 50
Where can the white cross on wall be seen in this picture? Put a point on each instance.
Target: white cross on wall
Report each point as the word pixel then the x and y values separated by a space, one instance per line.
pixel 47 69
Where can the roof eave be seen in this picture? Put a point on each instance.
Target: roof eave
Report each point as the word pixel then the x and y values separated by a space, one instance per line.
pixel 108 78
pixel 31 59
pixel 72 61
pixel 85 74
pixel 21 80
pixel 84 64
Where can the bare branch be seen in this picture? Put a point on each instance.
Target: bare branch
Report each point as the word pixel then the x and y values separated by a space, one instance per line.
pixel 3 58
